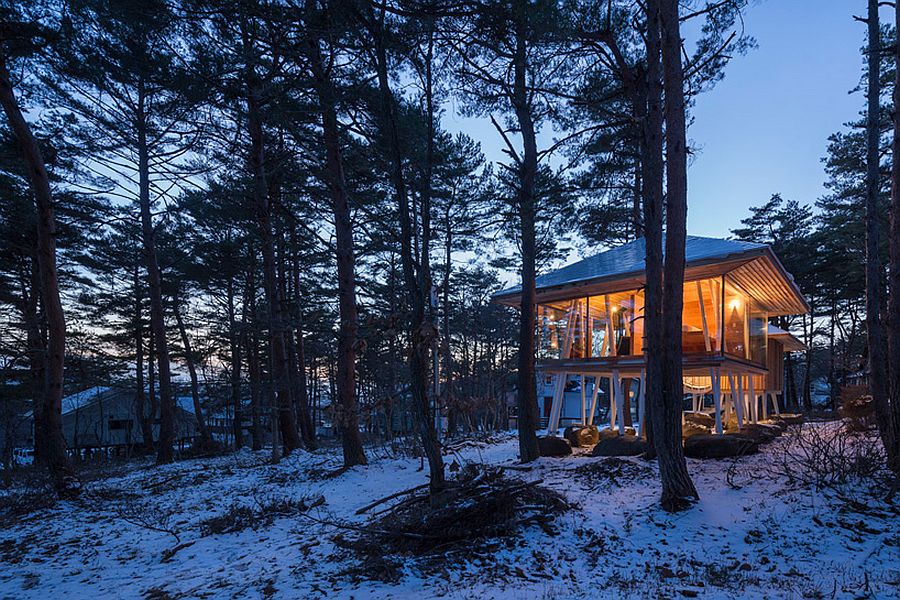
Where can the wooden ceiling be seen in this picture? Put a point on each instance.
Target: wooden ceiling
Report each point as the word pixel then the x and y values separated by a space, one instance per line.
pixel 766 281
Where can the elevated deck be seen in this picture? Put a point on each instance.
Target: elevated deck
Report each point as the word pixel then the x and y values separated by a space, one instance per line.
pixel 694 364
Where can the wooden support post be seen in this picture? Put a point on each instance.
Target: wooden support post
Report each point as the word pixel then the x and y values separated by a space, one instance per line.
pixel 583 402
pixel 764 397
pixel 754 405
pixel 737 395
pixel 556 407
pixel 775 403
pixel 596 392
pixel 613 404
pixel 620 402
pixel 715 374
pixel 642 398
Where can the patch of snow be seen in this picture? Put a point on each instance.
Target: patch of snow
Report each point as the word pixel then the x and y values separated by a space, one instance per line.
pixel 763 539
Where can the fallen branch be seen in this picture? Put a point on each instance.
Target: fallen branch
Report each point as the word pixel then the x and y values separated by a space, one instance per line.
pixel 391 497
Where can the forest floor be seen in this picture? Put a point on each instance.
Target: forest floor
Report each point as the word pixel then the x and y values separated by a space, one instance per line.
pixel 235 526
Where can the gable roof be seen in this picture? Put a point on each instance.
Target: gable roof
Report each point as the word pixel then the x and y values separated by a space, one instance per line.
pixel 618 268
pixel 85 398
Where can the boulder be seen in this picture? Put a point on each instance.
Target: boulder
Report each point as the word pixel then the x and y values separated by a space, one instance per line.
pixel 614 433
pixel 759 433
pixel 690 429
pixel 699 418
pixel 778 424
pixel 624 445
pixel 550 445
pixel 581 436
pixel 790 418
pixel 719 446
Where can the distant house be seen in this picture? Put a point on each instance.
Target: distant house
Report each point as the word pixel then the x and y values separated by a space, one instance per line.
pixel 590 327
pixel 106 417
pixel 98 418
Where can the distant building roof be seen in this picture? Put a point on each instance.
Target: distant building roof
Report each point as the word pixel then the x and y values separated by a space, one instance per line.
pixel 787 339
pixel 81 399
pixel 86 397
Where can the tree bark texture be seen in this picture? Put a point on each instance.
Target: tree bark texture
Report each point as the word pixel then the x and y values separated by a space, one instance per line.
pixel 54 453
pixel 347 409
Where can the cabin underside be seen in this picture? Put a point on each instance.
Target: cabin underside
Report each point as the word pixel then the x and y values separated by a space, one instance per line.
pixel 726 388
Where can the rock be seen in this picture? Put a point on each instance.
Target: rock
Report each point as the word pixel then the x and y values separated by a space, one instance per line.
pixel 550 445
pixel 691 429
pixel 778 424
pixel 699 418
pixel 790 418
pixel 719 446
pixel 625 445
pixel 581 436
pixel 758 433
pixel 613 433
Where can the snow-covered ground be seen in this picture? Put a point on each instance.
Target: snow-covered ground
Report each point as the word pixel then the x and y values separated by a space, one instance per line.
pixel 757 538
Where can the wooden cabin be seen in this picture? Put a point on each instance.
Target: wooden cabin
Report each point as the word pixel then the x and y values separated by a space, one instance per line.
pixel 590 326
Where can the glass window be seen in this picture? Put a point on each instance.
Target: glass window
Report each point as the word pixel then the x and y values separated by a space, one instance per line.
pixel 616 324
pixel 561 329
pixel 759 330
pixel 700 316
pixel 737 331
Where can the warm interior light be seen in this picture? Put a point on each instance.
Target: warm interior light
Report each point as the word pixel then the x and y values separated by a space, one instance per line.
pixel 735 304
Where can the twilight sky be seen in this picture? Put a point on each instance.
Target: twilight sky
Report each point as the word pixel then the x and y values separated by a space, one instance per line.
pixel 765 127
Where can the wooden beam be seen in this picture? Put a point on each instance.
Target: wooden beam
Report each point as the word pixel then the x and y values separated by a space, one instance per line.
pixel 594 395
pixel 715 375
pixel 583 402
pixel 556 408
pixel 737 396
pixel 754 405
pixel 703 318
pixel 642 398
pixel 620 404
pixel 611 347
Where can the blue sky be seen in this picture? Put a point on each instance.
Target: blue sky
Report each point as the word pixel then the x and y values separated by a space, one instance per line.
pixel 765 127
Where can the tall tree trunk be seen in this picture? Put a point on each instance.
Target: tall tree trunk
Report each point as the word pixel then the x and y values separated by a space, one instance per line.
pixel 307 426
pixel 37 363
pixel 234 340
pixel 190 360
pixel 807 359
pixel 446 351
pixel 278 347
pixel 790 385
pixel 878 384
pixel 251 342
pixel 347 407
pixel 652 175
pixel 677 488
pixel 55 443
pixel 418 284
pixel 145 421
pixel 527 393
pixel 164 450
pixel 894 296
